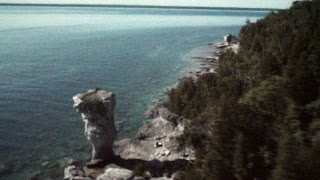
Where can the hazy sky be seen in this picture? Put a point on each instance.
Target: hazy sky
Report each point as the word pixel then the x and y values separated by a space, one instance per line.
pixel 205 3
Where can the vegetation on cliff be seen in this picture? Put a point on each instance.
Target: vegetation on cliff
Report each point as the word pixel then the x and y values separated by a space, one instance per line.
pixel 258 116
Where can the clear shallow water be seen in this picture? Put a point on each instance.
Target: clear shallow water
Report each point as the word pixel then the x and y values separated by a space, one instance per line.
pixel 49 54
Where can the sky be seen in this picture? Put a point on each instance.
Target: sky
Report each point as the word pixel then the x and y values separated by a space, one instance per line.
pixel 281 4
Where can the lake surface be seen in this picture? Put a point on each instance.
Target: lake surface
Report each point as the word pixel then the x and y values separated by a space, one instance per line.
pixel 49 54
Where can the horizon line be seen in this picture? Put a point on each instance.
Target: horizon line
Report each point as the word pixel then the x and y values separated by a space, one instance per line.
pixel 134 6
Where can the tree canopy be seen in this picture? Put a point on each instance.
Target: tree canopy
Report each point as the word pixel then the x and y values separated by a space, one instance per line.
pixel 258 116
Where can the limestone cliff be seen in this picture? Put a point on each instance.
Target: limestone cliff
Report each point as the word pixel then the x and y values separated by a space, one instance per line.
pixel 157 139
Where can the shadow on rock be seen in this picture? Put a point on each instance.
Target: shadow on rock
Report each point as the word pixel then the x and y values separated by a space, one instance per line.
pixel 155 167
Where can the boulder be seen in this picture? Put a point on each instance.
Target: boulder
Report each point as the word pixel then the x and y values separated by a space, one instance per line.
pixel 115 172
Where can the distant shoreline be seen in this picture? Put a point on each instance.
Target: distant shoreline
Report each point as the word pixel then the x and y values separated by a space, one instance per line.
pixel 140 6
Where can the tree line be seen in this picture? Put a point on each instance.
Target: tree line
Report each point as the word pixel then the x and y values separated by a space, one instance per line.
pixel 258 116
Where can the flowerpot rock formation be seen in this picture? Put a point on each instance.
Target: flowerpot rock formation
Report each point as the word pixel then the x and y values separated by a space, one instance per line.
pixel 97 112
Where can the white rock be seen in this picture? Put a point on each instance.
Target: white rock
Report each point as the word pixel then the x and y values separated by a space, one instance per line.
pixel 116 174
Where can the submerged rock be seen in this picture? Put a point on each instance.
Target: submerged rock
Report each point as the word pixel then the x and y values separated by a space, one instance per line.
pixel 74 172
pixel 97 111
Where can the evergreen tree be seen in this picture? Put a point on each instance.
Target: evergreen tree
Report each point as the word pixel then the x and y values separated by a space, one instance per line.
pixel 258 116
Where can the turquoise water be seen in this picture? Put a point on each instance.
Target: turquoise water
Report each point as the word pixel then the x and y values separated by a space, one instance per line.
pixel 49 54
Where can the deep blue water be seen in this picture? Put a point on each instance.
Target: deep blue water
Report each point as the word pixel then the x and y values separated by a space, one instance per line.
pixel 49 54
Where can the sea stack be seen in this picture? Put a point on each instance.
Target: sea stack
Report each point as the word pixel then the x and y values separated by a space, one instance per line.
pixel 97 112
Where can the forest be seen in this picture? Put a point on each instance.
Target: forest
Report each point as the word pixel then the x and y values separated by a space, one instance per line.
pixel 258 116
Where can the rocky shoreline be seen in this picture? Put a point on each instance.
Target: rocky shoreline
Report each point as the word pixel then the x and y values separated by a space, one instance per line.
pixel 154 152
pixel 155 146
pixel 208 64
